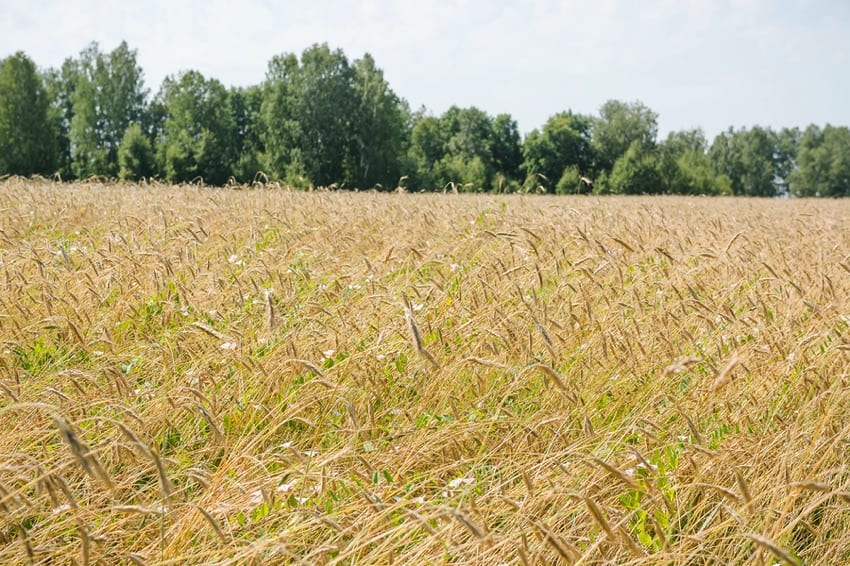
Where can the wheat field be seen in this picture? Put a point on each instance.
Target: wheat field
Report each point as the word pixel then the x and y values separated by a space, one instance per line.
pixel 192 375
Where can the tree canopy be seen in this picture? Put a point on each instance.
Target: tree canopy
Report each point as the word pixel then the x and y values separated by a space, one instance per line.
pixel 28 140
pixel 107 96
pixel 320 119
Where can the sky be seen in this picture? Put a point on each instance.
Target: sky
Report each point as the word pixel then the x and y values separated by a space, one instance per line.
pixel 697 63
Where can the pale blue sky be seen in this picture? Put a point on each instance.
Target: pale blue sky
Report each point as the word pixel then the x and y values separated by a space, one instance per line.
pixel 708 63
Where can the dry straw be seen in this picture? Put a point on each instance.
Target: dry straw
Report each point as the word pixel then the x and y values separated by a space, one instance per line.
pixel 576 380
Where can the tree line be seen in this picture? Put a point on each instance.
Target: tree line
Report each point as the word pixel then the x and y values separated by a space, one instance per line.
pixel 322 120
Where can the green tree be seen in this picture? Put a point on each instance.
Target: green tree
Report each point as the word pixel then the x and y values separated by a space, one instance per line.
pixel 327 105
pixel 467 175
pixel 464 146
pixel 135 155
pixel 382 132
pixel 685 167
pixel 749 159
pixel 637 171
pixel 787 145
pixel 470 131
pixel 823 163
pixel 563 142
pixel 107 97
pixel 619 125
pixel 310 117
pixel 28 137
pixel 506 147
pixel 198 138
pixel 245 107
pixel 280 128
pixel 468 153
pixel 427 148
pixel 695 176
pixel 60 84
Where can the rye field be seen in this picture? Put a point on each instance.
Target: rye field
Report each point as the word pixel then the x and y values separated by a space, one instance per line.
pixel 260 376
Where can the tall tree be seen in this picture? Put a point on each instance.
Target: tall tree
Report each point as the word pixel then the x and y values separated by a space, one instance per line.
pixel 823 163
pixel 28 137
pixel 280 132
pixel 381 126
pixel 468 156
pixel 328 103
pixel 619 125
pixel 563 143
pixel 749 159
pixel 198 137
pixel 506 147
pixel 427 147
pixel 245 107
pixel 108 96
pixel 310 117
pixel 685 167
pixel 787 145
pixel 60 84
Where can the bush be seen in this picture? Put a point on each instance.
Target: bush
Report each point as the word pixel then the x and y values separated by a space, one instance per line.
pixel 135 155
pixel 637 172
pixel 570 182
pixel 469 175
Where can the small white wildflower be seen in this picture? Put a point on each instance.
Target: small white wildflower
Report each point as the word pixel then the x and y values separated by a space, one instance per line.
pixel 454 267
pixel 234 259
pixel 285 445
pixel 256 497
pixel 329 353
pixel 353 287
pixel 457 482
pixel 61 509
pixel 311 453
pixel 286 487
pixel 228 346
pixel 222 508
pixel 146 390
pixel 417 307
pixel 97 352
pixel 380 357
